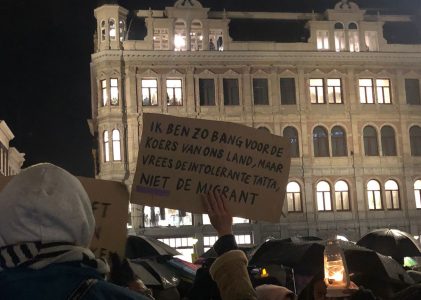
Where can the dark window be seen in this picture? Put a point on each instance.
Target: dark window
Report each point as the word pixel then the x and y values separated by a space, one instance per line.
pixel 287 86
pixel 231 93
pixel 415 137
pixel 371 147
pixel 412 88
pixel 260 91
pixel 320 142
pixel 352 26
pixel 292 134
pixel 388 141
pixel 207 92
pixel 338 136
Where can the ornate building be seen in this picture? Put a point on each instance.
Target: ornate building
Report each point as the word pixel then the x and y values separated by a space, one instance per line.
pixel 11 159
pixel 343 85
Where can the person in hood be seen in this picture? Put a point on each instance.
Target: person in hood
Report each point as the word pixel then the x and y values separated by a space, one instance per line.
pixel 46 226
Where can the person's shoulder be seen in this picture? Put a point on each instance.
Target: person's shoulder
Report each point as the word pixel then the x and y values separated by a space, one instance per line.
pixel 107 291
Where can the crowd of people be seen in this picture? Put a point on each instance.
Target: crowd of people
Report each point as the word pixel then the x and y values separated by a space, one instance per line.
pixel 47 223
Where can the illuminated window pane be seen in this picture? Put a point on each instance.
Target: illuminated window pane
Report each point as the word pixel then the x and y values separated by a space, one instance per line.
pixel 112 28
pixel 339 39
pixel 114 91
pixel 161 39
pixel 417 191
pixel 324 202
pixel 322 39
pixel 374 195
pixel 165 217
pixel 103 30
pixel 294 197
pixel 149 92
pixel 196 36
pixel 392 194
pixel 354 41
pixel 366 91
pixel 371 40
pixel 317 91
pixel 174 92
pixel 106 146
pixel 383 91
pixel 180 36
pixel 334 90
pixel 116 145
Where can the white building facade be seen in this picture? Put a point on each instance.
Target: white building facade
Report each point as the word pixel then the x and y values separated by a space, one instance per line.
pixel 348 99
pixel 11 160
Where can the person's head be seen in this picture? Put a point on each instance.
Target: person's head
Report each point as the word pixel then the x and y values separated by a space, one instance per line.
pixel 45 203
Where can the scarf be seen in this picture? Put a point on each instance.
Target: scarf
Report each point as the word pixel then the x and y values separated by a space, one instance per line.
pixel 36 255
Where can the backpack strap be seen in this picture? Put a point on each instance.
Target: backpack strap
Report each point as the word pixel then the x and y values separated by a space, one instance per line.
pixel 82 289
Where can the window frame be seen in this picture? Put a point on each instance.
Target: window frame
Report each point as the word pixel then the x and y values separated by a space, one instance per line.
pixel 106 146
pixel 322 39
pixel 204 93
pixel 316 150
pixel 149 89
pixel 321 195
pixel 417 195
pixel 415 140
pixel 315 90
pixel 104 92
pixel 116 144
pixel 375 194
pixel 417 91
pixel 341 196
pixel 369 141
pixel 285 94
pixel 174 90
pixel 228 91
pixel 388 141
pixel 114 89
pixel 389 195
pixel 334 89
pixel 342 141
pixel 260 91
pixel 295 146
pixel 294 199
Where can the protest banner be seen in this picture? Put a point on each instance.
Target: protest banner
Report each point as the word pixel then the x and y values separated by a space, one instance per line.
pixel 110 207
pixel 181 158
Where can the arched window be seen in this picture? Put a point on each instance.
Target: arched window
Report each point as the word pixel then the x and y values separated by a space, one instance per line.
pixel 116 145
pixel 294 197
pixel 338 136
pixel 103 30
pixel 112 29
pixel 106 146
pixel 104 92
pixel 415 138
pixel 391 190
pixel 374 195
pixel 264 129
pixel 292 134
pixel 180 37
pixel 342 195
pixel 371 147
pixel 339 37
pixel 388 141
pixel 121 30
pixel 417 191
pixel 114 91
pixel 324 199
pixel 320 142
pixel 353 37
pixel 196 36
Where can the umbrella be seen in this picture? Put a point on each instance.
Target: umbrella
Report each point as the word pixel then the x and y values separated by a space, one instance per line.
pixel 307 258
pixel 141 272
pixel 211 253
pixel 143 246
pixel 164 274
pixel 391 242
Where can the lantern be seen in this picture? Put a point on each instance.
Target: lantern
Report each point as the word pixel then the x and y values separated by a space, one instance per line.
pixel 336 271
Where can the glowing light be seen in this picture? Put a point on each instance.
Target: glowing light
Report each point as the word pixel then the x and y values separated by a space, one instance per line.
pixel 264 273
pixel 179 42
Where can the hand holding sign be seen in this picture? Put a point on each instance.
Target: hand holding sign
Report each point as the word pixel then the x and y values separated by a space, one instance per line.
pixel 220 217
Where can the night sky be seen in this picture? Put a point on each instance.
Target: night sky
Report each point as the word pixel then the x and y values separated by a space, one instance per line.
pixel 45 54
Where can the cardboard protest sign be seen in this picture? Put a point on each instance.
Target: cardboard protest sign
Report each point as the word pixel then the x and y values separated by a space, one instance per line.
pixel 110 200
pixel 110 206
pixel 181 158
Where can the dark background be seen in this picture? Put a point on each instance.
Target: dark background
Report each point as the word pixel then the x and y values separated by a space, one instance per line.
pixel 45 48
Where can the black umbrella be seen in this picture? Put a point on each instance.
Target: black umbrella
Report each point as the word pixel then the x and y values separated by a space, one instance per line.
pixel 143 246
pixel 166 276
pixel 146 276
pixel 391 242
pixel 307 258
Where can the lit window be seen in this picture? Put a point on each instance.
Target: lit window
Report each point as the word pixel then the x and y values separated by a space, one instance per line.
pixel 112 28
pixel 235 220
pixel 372 41
pixel 164 217
pixel 114 91
pixel 412 89
pixel 121 30
pixel 388 141
pixel 391 190
pixel 116 145
pixel 334 90
pixel 383 91
pixel 231 92
pixel 374 196
pixel 104 94
pixel 149 92
pixel 161 39
pixel 294 197
pixel 184 245
pixel 292 134
pixel 196 36
pixel 353 36
pixel 216 40
pixel 180 36
pixel 260 91
pixel 415 139
pixel 320 142
pixel 324 201
pixel 241 239
pixel 317 91
pixel 287 86
pixel 371 147
pixel 207 92
pixel 103 30
pixel 366 91
pixel 322 40
pixel 106 146
pixel 338 140
pixel 417 191
pixel 339 37
pixel 341 195
pixel 174 92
